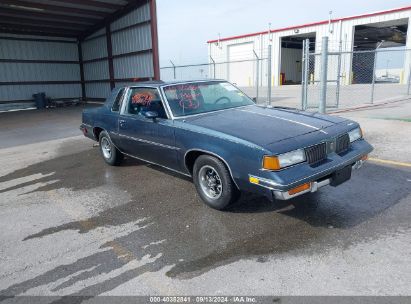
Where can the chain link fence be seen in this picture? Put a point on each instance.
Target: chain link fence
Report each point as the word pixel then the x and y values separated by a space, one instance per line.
pixel 250 75
pixel 335 80
pixel 329 80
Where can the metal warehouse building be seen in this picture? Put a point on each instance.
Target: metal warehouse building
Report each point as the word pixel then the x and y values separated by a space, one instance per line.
pixel 386 29
pixel 74 48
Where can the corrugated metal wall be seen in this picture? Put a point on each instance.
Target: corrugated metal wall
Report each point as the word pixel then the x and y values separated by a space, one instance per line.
pixel 94 48
pixel 132 55
pixel 30 64
pixel 120 53
pixel 95 65
pixel 131 40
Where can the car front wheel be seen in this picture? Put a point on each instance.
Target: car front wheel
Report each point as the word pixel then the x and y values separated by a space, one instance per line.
pixel 110 153
pixel 214 183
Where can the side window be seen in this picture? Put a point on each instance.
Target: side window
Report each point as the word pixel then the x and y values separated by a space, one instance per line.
pixel 142 100
pixel 117 103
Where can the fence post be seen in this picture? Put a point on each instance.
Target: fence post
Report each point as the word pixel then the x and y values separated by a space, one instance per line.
pixel 269 75
pixel 374 70
pixel 305 73
pixel 257 72
pixel 373 76
pixel 174 69
pixel 337 93
pixel 303 79
pixel 324 71
pixel 212 60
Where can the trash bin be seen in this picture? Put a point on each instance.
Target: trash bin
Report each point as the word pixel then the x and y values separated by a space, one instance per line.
pixel 40 100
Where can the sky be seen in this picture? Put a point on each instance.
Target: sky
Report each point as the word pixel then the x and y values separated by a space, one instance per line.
pixel 184 26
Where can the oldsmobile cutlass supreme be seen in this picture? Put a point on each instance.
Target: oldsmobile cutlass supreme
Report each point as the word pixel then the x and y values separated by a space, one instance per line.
pixel 213 132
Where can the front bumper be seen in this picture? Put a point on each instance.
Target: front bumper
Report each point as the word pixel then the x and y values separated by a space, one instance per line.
pixel 314 186
pixel 281 185
pixel 268 183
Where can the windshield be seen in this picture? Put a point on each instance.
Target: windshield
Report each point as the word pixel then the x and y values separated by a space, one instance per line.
pixel 201 97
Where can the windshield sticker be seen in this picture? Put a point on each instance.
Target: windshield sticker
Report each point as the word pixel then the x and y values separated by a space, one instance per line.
pixel 143 98
pixel 189 104
pixel 188 98
pixel 195 98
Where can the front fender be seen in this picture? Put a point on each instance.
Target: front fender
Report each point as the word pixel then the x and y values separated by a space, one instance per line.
pixel 238 155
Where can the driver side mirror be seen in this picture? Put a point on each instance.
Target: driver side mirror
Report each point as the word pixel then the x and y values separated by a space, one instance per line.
pixel 151 115
pixel 255 99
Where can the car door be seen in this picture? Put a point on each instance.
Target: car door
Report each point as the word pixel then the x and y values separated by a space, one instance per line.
pixel 148 139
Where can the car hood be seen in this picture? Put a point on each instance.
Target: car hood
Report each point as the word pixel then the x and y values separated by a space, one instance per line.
pixel 263 125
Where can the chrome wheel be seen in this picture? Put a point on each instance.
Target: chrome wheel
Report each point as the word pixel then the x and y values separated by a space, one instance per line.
pixel 106 148
pixel 210 182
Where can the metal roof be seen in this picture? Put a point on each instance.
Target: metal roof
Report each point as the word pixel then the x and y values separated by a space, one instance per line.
pixel 61 18
pixel 395 10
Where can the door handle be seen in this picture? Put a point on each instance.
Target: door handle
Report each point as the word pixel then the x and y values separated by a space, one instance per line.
pixel 122 123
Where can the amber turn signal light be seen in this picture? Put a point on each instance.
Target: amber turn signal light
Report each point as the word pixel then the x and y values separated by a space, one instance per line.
pixel 364 158
pixel 254 180
pixel 271 163
pixel 300 188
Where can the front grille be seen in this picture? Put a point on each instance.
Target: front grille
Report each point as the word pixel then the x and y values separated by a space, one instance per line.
pixel 316 154
pixel 343 143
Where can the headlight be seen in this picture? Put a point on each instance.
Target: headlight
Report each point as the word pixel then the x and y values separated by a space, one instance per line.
pixel 283 160
pixel 355 134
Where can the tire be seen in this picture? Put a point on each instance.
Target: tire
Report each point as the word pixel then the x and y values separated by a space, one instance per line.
pixel 213 182
pixel 109 152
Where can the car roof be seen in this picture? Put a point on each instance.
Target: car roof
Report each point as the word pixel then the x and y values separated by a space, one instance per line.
pixel 160 83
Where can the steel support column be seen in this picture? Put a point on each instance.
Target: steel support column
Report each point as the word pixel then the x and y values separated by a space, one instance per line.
pixel 110 57
pixel 80 58
pixel 154 39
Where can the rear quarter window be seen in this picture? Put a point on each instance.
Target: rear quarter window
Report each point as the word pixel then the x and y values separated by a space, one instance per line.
pixel 117 102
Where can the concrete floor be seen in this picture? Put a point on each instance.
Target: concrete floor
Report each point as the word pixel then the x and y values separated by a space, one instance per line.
pixel 31 126
pixel 71 225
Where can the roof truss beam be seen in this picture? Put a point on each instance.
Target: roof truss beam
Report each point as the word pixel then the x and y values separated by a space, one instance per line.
pixel 92 3
pixel 36 15
pixel 26 5
pixel 46 30
pixel 23 22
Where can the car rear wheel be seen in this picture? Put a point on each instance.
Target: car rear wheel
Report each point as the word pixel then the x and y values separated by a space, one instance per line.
pixel 110 153
pixel 214 183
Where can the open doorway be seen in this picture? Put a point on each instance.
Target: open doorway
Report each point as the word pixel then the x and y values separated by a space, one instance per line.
pixel 291 55
pixel 389 37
